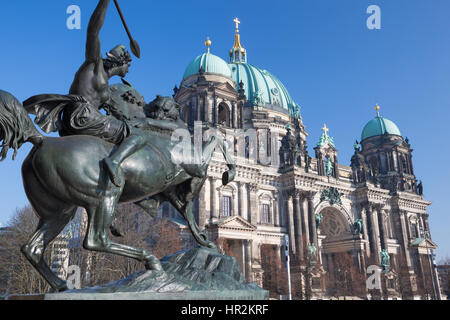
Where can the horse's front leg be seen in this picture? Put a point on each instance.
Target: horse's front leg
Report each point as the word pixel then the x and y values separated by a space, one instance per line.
pixel 97 237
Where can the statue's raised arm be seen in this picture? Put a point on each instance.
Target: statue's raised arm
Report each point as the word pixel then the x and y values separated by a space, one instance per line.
pixel 92 79
pixel 93 46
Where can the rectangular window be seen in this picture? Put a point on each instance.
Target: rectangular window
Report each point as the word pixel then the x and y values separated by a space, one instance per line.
pixel 265 213
pixel 315 283
pixel 226 206
pixel 414 231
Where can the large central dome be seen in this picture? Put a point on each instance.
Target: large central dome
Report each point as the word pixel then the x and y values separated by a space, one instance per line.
pixel 261 87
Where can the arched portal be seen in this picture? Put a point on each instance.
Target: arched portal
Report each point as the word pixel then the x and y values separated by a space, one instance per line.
pixel 334 226
pixel 340 254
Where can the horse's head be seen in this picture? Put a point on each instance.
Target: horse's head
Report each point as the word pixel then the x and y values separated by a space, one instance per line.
pixel 163 108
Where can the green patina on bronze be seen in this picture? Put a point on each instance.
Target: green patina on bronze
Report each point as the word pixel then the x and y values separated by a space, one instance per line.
pixel 358 227
pixel 385 260
pixel 331 195
pixel 126 156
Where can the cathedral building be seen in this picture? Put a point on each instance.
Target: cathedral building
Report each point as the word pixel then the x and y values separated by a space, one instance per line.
pixel 373 212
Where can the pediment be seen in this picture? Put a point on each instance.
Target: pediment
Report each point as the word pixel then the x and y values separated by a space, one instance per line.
pixel 226 87
pixel 423 243
pixel 235 222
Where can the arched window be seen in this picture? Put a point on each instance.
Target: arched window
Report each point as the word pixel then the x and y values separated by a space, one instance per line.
pixel 247 147
pixel 226 206
pixel 224 115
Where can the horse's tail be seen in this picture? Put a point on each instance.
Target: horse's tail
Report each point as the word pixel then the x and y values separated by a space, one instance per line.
pixel 229 175
pixel 16 127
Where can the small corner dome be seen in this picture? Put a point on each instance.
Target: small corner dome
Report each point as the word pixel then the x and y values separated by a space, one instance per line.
pixel 210 63
pixel 378 127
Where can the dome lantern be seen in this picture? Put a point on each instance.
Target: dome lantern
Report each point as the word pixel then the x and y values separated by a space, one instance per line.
pixel 238 54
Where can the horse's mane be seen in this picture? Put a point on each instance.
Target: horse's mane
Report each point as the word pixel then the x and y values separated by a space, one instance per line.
pixel 16 127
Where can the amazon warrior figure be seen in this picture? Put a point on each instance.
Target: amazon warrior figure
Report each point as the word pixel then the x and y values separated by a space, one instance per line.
pixel 79 112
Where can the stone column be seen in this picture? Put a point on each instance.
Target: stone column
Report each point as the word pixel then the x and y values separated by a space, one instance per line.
pixel 216 111
pixel 375 233
pixel 365 230
pixel 290 220
pixel 426 224
pixel 276 211
pixel 235 208
pixel 382 228
pixel 281 209
pixel 199 101
pixel 312 220
pixel 298 226
pixel 253 210
pixel 404 238
pixel 244 201
pixel 362 260
pixel 235 115
pixel 208 109
pixel 238 199
pixel 215 203
pixel 248 259
pixel 305 219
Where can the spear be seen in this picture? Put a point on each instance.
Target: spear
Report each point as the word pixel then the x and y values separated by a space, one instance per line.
pixel 133 43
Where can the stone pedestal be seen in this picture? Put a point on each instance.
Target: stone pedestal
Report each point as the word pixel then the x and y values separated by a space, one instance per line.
pixel 197 274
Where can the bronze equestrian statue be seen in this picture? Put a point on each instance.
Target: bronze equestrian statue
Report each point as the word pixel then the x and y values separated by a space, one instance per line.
pixel 101 160
pixel 62 174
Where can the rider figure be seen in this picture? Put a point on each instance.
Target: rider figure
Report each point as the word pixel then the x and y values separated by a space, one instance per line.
pixel 92 83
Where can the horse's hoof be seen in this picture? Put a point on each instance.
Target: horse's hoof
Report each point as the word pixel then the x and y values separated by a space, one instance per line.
pixel 116 231
pixel 61 287
pixel 153 264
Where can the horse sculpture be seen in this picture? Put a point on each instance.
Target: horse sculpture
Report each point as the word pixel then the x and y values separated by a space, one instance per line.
pixel 62 174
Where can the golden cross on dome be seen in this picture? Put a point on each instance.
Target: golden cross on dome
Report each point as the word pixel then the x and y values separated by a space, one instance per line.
pixel 237 23
pixel 325 129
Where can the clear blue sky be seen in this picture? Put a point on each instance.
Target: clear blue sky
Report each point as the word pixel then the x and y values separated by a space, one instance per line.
pixel 322 51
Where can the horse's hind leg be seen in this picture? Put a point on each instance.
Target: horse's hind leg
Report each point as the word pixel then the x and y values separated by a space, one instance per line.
pixel 47 230
pixel 54 216
pixel 97 237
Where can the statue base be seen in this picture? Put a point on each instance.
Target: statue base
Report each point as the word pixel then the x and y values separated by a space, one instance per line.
pixel 197 274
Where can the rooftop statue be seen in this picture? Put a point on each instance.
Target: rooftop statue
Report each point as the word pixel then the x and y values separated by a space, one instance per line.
pixel 358 227
pixel 328 167
pixel 312 252
pixel 319 218
pixel 385 260
pixel 126 156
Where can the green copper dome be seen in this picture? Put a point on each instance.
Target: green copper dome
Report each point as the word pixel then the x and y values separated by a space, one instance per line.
pixel 379 126
pixel 210 63
pixel 262 88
